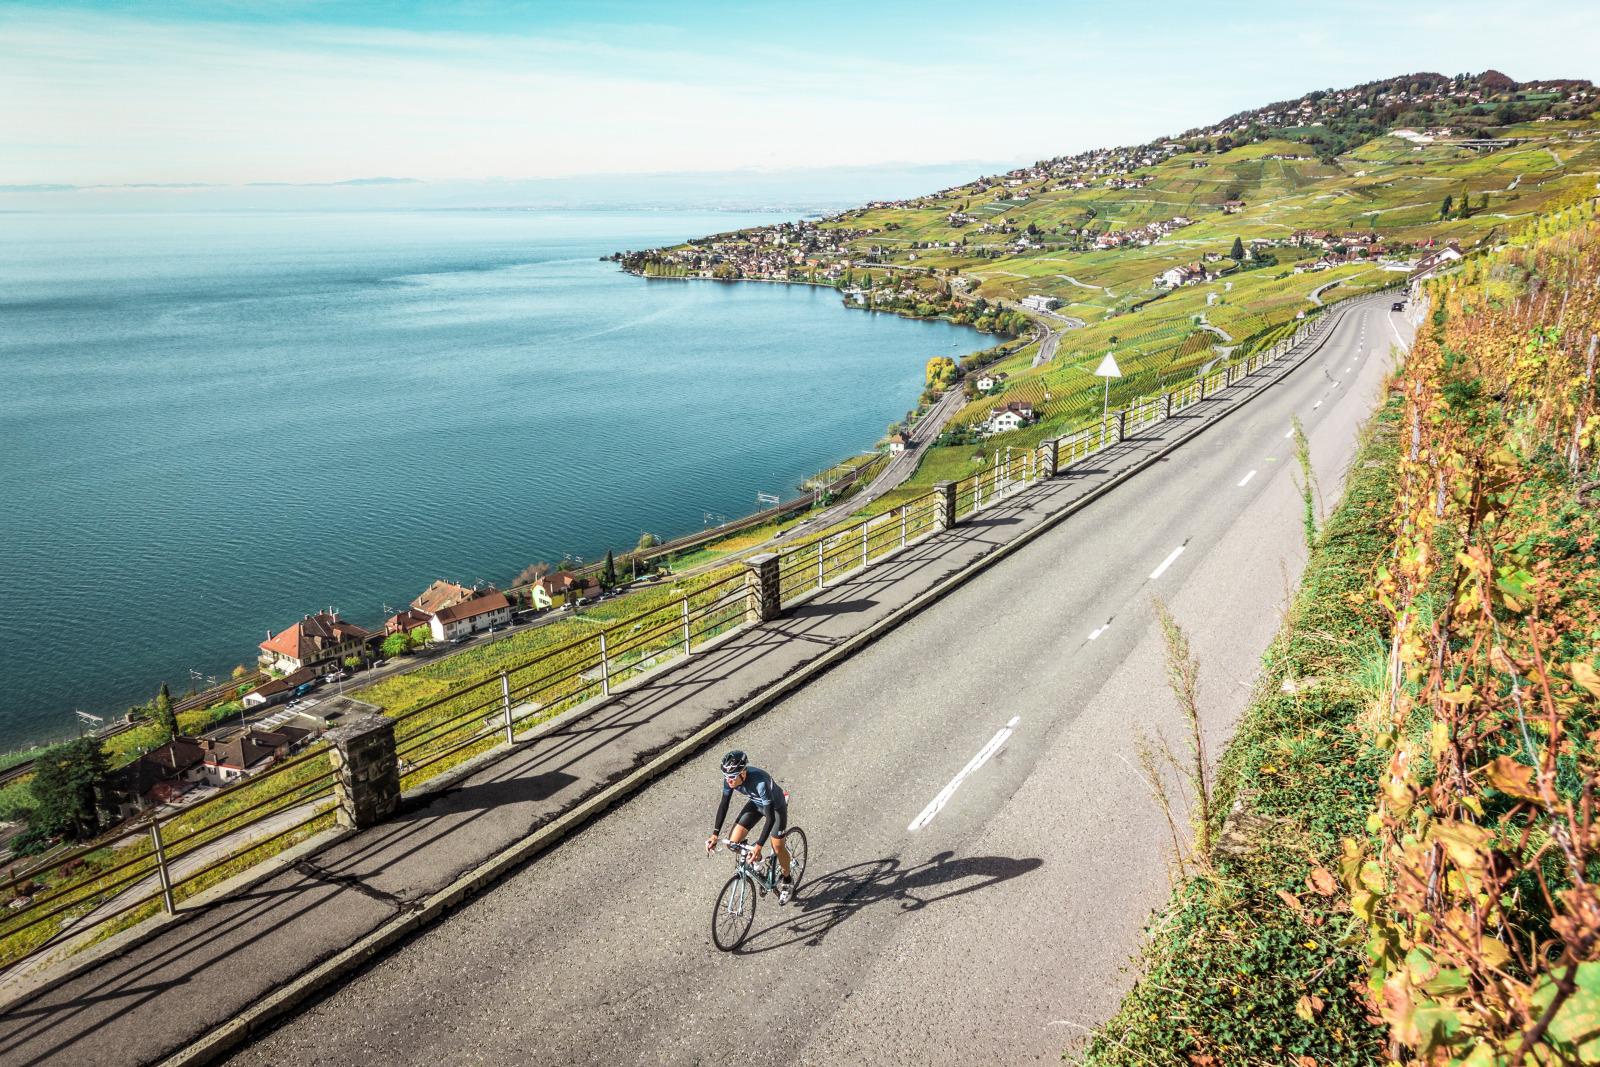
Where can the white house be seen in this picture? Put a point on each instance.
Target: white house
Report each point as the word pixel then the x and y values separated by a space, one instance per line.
pixel 1437 260
pixel 470 616
pixel 1040 302
pixel 1013 416
pixel 990 381
pixel 1173 277
pixel 898 442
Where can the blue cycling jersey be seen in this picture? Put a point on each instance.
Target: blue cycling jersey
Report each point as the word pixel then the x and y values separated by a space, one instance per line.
pixel 758 786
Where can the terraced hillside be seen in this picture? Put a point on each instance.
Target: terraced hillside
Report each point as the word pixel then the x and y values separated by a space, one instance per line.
pixel 1263 217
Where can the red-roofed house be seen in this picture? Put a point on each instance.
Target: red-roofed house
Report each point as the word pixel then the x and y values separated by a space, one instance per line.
pixel 470 616
pixel 441 594
pixel 405 621
pixel 319 638
pixel 559 584
pixel 229 759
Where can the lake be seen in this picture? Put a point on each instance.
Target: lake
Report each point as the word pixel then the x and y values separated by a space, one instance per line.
pixel 211 424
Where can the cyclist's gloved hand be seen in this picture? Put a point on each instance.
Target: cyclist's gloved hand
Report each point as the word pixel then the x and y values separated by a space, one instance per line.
pixel 711 843
pixel 755 854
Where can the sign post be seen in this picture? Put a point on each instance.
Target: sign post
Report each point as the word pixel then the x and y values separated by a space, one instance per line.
pixel 1108 370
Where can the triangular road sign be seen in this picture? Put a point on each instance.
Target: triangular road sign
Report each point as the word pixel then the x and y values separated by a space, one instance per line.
pixel 1108 367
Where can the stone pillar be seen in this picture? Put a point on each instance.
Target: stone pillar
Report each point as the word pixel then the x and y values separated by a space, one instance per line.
pixel 1050 457
pixel 1122 425
pixel 366 783
pixel 761 585
pixel 945 517
pixel 1166 405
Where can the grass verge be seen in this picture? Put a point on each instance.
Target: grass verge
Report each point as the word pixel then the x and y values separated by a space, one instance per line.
pixel 1259 960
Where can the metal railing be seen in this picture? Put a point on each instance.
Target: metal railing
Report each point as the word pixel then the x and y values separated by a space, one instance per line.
pixel 157 861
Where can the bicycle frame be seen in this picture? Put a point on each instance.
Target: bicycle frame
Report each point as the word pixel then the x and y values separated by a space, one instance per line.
pixel 765 877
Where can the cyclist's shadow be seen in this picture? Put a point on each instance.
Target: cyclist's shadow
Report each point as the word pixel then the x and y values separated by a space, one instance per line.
pixel 823 903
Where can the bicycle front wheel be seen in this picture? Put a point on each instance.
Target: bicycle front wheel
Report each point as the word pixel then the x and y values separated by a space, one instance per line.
pixel 795 841
pixel 735 913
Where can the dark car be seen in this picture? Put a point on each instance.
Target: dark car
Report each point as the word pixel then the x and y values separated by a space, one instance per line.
pixel 1398 305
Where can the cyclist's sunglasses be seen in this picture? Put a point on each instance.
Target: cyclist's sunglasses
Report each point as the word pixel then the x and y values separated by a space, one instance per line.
pixel 734 777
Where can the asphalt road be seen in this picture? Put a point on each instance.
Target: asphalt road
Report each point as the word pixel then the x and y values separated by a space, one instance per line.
pixel 995 929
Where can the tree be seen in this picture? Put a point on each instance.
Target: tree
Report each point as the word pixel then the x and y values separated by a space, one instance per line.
pixel 395 644
pixel 531 573
pixel 608 572
pixel 1444 208
pixel 647 540
pixel 240 672
pixel 419 638
pixel 1237 253
pixel 66 781
pixel 352 662
pixel 163 713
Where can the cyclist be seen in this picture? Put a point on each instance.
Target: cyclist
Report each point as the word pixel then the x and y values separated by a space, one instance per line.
pixel 764 798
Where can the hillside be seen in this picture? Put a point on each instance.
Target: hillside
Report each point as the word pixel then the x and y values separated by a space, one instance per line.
pixel 1220 236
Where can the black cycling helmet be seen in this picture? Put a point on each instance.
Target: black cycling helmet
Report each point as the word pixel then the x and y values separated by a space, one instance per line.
pixel 734 762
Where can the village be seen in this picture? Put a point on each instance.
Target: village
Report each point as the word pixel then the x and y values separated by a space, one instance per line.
pixel 314 652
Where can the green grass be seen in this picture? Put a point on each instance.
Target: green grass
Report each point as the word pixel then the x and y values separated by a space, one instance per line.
pixel 1234 961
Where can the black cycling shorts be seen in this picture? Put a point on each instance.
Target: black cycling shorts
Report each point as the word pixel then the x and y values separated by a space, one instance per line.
pixel 752 814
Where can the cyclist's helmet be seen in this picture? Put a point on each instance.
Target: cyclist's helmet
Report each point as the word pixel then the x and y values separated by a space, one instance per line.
pixel 734 762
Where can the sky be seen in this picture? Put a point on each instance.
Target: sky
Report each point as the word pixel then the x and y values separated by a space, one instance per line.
pixel 307 92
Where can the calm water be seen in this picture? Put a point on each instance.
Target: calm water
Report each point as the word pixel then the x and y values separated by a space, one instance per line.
pixel 212 424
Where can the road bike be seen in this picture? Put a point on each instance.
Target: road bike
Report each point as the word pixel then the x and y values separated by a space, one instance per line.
pixel 735 912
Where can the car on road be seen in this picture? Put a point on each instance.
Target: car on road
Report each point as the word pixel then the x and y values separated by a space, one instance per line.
pixel 379 662
pixel 463 639
pixel 335 676
pixel 1398 305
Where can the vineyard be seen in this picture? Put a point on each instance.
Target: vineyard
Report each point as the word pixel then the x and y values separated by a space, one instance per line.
pixel 1409 874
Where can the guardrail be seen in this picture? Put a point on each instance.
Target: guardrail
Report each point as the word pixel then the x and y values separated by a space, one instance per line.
pixel 155 863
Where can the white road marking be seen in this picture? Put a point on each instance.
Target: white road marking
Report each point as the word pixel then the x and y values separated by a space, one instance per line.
pixel 1097 631
pixel 1398 339
pixel 1246 478
pixel 1317 405
pixel 1166 563
pixel 1288 433
pixel 973 764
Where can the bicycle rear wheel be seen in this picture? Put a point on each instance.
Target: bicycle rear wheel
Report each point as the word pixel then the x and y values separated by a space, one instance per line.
pixel 794 840
pixel 735 913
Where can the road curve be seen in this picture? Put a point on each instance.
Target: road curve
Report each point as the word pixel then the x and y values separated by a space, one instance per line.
pixel 994 929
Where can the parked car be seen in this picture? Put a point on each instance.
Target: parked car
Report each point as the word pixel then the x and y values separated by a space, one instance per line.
pixel 335 676
pixel 463 639
pixel 1399 305
pixel 379 662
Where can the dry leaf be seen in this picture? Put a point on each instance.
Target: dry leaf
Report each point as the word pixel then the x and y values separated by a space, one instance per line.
pixel 1291 900
pixel 1322 882
pixel 1511 778
pixel 1585 676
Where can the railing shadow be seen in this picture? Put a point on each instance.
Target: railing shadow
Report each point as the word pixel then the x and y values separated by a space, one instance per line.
pixel 825 902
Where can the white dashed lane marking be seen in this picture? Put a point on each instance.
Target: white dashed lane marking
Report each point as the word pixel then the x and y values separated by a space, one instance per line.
pixel 973 764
